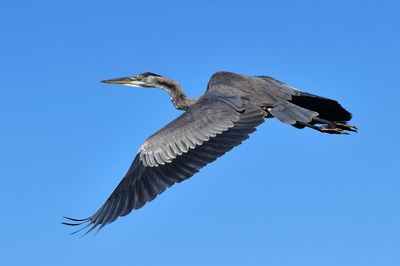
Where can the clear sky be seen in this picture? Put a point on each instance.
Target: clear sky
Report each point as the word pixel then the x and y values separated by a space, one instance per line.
pixel 285 197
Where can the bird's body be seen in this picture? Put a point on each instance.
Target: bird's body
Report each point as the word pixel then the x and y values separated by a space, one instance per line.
pixel 231 108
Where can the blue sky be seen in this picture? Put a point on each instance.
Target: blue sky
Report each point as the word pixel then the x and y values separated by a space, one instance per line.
pixel 286 197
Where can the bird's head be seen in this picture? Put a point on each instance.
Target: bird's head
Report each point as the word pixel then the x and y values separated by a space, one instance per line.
pixel 146 80
pixel 151 80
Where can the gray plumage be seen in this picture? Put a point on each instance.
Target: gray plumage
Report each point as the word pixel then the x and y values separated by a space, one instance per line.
pixel 231 108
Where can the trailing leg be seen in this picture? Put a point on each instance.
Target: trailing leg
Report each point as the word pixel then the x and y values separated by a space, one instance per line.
pixel 329 127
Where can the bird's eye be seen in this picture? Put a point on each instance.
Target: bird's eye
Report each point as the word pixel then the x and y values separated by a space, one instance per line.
pixel 138 78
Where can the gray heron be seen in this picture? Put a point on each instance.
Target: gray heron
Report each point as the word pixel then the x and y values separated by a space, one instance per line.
pixel 222 118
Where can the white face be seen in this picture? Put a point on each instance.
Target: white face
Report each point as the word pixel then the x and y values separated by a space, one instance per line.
pixel 132 85
pixel 144 82
pixel 137 85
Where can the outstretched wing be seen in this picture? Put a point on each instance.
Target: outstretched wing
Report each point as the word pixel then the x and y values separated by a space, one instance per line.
pixel 205 132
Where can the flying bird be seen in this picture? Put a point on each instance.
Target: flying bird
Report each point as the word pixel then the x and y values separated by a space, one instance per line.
pixel 212 124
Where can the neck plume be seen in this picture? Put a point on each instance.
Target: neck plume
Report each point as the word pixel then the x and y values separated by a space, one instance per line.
pixel 178 96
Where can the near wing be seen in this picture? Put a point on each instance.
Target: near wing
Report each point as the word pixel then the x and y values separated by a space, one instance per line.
pixel 205 132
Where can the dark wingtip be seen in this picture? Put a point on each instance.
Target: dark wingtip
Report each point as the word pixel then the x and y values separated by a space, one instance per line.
pixel 77 222
pixel 72 224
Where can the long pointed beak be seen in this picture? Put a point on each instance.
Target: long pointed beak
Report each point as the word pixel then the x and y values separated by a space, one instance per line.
pixel 125 81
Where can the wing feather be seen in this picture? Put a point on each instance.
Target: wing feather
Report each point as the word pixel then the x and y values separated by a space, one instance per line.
pixel 152 172
pixel 207 118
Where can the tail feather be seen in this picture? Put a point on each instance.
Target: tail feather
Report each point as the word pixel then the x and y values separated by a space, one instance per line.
pixel 307 110
pixel 328 109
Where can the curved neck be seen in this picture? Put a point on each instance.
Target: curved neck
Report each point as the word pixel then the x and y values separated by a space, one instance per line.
pixel 178 97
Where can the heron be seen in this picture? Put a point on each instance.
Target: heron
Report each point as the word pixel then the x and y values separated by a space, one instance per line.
pixel 231 108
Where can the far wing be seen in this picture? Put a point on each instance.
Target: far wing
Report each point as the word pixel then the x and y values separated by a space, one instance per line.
pixel 325 108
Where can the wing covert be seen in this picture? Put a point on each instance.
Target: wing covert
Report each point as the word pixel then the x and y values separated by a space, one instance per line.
pixel 206 119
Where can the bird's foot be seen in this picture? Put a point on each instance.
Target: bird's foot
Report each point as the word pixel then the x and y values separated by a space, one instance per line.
pixel 332 129
pixel 337 128
pixel 345 126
